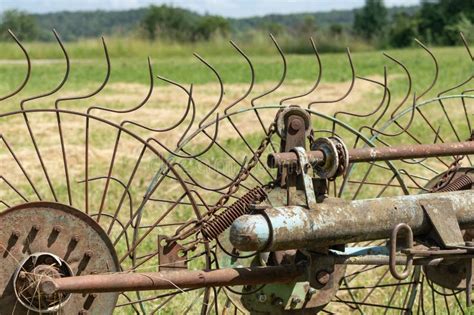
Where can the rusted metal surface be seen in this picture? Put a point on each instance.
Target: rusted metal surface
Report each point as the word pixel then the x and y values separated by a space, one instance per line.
pixel 43 227
pixel 171 256
pixel 380 154
pixel 339 222
pixel 173 279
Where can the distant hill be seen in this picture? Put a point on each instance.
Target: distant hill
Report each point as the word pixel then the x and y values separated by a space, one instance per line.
pixel 96 23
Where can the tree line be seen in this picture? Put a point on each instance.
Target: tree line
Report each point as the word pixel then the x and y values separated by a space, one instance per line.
pixel 374 25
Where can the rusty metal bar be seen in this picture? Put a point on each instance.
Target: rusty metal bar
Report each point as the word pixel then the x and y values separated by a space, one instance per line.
pixel 379 154
pixel 341 222
pixel 172 279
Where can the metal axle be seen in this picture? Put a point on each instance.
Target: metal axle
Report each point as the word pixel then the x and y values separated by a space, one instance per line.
pixel 172 279
pixel 339 222
pixel 379 154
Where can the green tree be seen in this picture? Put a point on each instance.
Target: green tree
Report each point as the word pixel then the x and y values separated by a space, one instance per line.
pixel 210 25
pixel 402 31
pixel 168 22
pixel 371 20
pixel 21 23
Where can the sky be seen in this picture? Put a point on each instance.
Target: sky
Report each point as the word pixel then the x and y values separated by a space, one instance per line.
pixel 228 8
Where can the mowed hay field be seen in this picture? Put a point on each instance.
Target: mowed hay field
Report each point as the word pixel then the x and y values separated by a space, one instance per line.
pixel 129 85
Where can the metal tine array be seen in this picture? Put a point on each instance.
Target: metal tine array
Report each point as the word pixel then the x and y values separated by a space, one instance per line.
pixel 181 151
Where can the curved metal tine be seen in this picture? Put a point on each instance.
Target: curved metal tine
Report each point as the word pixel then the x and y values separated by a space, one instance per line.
pixel 179 143
pixel 252 78
pixel 54 90
pixel 280 82
pixel 129 110
pixel 118 137
pixel 58 117
pixel 28 70
pixel 351 86
pixel 436 65
pixel 22 168
pixel 418 161
pixel 221 86
pixel 403 128
pixel 229 118
pixel 318 78
pixel 407 94
pixel 377 108
pixel 465 43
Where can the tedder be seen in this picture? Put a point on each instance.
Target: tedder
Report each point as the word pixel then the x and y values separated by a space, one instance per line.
pixel 317 203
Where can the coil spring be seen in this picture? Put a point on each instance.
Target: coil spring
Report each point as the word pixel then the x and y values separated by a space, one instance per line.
pixel 221 222
pixel 460 183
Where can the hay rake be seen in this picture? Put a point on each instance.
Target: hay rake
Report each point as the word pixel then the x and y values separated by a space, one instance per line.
pixel 245 208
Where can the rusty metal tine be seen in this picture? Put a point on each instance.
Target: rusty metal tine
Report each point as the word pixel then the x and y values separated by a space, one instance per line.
pixel 349 90
pixel 58 118
pixel 28 69
pixel 27 123
pixel 435 62
pixel 318 78
pixel 407 94
pixel 221 86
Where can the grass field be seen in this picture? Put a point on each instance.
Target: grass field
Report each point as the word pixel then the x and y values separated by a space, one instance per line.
pixel 129 84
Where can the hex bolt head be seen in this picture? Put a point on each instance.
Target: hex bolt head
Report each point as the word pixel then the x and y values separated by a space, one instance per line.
pixel 296 124
pixel 262 297
pixel 295 301
pixel 322 277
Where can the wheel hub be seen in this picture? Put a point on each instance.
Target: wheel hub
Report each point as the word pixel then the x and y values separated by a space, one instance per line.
pixel 45 239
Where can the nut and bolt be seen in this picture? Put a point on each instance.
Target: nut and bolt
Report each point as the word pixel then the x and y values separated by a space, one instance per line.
pixel 262 297
pixel 296 124
pixel 322 277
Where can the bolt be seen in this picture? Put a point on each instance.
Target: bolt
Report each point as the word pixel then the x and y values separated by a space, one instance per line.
pixel 36 227
pixel 322 277
pixel 57 228
pixel 262 297
pixel 277 301
pixel 83 312
pixel 16 233
pixel 93 295
pixel 76 238
pixel 470 243
pixel 296 124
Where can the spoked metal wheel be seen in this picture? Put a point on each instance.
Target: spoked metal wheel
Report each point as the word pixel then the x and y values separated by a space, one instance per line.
pixel 89 191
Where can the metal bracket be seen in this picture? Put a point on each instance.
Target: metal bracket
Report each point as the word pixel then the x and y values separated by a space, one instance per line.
pixel 170 256
pixel 445 223
pixel 304 165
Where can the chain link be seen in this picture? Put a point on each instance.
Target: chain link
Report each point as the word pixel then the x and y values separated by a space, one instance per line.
pixel 194 226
